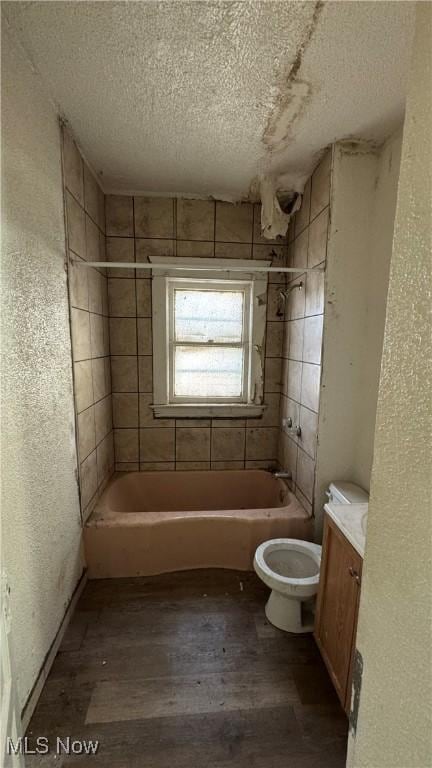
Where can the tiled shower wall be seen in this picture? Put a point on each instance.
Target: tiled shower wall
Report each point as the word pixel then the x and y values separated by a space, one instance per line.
pixel 85 229
pixel 303 329
pixel 136 228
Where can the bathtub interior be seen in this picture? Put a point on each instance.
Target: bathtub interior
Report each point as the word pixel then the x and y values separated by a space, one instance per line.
pixel 191 491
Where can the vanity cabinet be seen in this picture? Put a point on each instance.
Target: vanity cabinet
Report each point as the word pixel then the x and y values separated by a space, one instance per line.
pixel 337 608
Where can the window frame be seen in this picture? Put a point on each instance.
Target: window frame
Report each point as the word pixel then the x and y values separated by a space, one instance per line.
pixel 164 283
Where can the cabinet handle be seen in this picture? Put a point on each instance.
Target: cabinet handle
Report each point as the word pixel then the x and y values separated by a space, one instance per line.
pixel 354 574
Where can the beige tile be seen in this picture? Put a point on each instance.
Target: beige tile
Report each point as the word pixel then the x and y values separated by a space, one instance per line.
pixel 75 226
pixel 144 336
pixel 195 219
pixel 124 373
pixel 275 304
pixel 314 296
pixel 296 300
pixel 121 297
pixel 313 330
pixel 92 236
pixel 72 167
pixel 106 335
pixel 101 210
pixel 318 239
pixel 144 298
pixel 310 386
pixel 320 192
pixel 157 466
pixel 274 336
pixel 105 458
pixel 216 423
pixel 309 429
pixel 154 217
pixel 227 443
pixel 103 418
pixel 104 291
pixel 127 466
pixel 305 474
pixel 91 195
pixel 258 236
pixel 120 249
pixel 78 281
pixel 157 444
pixel 192 465
pixel 80 326
pixel 97 335
pixel 192 444
pixel 276 254
pixel 303 215
pixel 268 464
pixel 284 376
pixel 145 373
pixel 270 417
pixel 146 248
pixel 195 249
pixel 286 338
pixel 125 410
pixel 291 229
pixel 123 337
pixel 107 361
pixel 146 417
pixel 261 442
pixel 301 250
pixel 86 433
pixel 192 423
pixel 83 385
pixel 303 500
pixel 296 333
pixel 126 445
pixel 273 372
pixel 227 464
pixel 234 223
pixel 100 388
pixel 119 215
pixel 233 250
pixel 294 380
pixel 88 479
pixel 288 455
pixel 95 290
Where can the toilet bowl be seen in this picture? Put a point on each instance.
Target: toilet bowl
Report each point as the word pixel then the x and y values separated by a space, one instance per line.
pixel 290 567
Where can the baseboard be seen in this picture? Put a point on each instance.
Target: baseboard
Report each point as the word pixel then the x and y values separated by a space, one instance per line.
pixel 36 691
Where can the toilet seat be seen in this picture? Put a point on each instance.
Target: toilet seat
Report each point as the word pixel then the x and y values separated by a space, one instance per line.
pixel 299 559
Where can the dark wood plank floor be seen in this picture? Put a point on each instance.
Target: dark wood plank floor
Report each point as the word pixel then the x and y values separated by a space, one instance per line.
pixel 184 671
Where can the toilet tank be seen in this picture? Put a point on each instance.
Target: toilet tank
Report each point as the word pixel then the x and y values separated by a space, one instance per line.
pixel 346 493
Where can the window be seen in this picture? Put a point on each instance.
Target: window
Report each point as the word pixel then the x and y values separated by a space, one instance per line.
pixel 207 341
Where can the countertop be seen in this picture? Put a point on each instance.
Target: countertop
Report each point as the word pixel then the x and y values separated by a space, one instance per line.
pixel 351 519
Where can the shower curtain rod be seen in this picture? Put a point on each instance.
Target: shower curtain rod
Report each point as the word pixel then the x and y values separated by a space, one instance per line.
pixel 189 267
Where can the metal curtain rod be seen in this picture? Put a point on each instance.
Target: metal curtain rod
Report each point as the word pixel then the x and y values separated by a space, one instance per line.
pixel 189 267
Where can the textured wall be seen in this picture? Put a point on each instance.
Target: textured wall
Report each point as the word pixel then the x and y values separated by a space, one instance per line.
pixel 40 509
pixel 303 329
pixel 394 634
pixel 85 227
pixel 363 198
pixel 137 227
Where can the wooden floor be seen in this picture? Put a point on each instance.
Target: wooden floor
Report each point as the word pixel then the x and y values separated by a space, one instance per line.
pixel 184 671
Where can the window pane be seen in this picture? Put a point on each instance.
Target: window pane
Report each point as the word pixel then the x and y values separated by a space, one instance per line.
pixel 208 315
pixel 208 372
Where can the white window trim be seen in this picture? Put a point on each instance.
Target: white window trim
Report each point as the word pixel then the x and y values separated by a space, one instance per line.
pixel 162 407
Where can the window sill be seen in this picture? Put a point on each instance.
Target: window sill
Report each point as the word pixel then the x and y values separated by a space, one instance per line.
pixel 222 411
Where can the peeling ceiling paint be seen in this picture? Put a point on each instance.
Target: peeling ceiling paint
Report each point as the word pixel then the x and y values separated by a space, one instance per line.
pixel 199 98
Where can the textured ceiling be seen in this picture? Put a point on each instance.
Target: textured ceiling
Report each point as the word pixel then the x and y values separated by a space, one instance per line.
pixel 198 98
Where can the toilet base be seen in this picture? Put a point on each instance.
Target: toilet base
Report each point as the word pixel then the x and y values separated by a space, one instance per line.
pixel 286 613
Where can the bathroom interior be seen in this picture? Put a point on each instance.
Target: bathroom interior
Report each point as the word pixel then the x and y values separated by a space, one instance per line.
pixel 216 334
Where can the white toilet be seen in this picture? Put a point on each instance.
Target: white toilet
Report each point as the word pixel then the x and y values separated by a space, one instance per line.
pixel 290 567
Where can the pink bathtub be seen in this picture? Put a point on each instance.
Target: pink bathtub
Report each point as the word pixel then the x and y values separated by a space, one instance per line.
pixel 147 523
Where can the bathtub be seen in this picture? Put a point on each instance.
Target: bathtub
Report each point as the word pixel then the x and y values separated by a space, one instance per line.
pixel 147 523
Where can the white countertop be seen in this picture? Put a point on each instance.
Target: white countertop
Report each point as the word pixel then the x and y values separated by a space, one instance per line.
pixel 351 519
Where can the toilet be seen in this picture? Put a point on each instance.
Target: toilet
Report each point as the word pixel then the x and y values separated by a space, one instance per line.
pixel 290 567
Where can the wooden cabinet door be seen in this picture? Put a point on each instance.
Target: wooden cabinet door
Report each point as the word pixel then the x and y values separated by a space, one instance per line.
pixel 337 605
